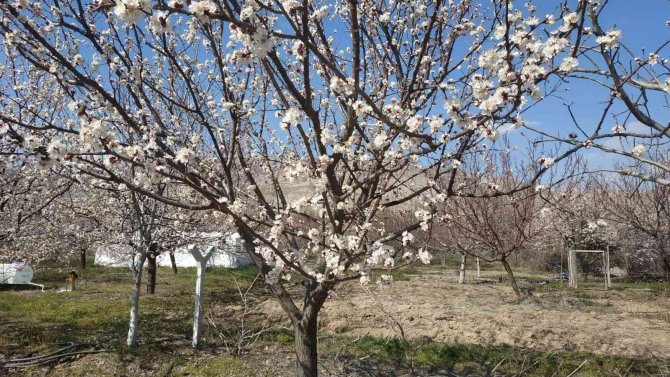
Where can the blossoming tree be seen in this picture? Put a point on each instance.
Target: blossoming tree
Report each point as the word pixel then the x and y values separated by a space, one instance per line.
pixel 362 105
pixel 640 211
pixel 44 217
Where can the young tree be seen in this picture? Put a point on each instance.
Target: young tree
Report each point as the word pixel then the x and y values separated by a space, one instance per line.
pixel 494 228
pixel 235 100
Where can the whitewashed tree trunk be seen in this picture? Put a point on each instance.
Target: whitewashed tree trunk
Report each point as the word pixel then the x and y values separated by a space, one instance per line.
pixel 135 304
pixel 199 289
pixel 461 274
pixel 478 270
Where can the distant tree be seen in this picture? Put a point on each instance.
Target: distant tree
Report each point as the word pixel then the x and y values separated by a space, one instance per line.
pixel 641 211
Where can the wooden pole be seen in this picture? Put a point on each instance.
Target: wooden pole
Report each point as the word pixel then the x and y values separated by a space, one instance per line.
pixel 604 268
pixel 561 276
pixel 572 265
pixel 607 266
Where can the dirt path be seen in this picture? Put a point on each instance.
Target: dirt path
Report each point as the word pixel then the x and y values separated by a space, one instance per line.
pixel 606 322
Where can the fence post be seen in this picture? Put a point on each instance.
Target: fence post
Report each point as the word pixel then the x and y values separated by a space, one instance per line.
pixel 608 277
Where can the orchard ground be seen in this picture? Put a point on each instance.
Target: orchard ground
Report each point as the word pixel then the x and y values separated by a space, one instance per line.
pixel 424 324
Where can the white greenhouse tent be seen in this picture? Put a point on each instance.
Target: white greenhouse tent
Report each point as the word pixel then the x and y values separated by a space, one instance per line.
pixel 17 272
pixel 228 253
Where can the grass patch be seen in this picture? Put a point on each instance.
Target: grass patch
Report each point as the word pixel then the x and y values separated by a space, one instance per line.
pixel 461 359
pixel 98 309
pixel 220 366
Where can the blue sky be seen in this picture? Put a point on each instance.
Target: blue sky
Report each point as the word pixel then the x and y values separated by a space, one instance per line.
pixel 643 24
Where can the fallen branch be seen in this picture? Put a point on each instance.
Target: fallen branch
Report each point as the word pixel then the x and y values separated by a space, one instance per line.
pixel 71 346
pixel 44 359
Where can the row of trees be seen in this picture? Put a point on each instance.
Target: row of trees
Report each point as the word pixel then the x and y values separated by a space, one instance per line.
pixel 220 108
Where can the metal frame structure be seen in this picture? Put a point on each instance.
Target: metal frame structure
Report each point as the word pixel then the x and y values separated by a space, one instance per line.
pixel 572 266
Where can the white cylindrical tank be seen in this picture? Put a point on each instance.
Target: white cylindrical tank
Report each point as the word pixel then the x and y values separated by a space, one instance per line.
pixel 16 273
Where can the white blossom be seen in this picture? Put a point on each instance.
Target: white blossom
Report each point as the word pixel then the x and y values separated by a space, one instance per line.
pixel 130 11
pixel 639 150
pixel 611 39
pixel 568 64
pixel 184 156
pixel 159 22
pixel 546 162
pixel 292 117
pixel 617 129
pixel 424 256
pixel 203 9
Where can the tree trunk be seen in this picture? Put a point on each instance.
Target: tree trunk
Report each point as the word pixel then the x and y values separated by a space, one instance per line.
pixel 202 260
pixel 83 259
pixel 306 348
pixel 512 280
pixel 461 273
pixel 197 311
pixel 131 341
pixel 151 274
pixel 173 263
pixel 666 268
pixel 478 269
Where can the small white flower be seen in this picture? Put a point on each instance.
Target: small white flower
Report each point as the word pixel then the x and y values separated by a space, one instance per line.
pixel 424 256
pixel 203 9
pixel 546 162
pixel 653 59
pixel 639 150
pixel 159 22
pixel 184 156
pixel 292 117
pixel 130 11
pixel 491 134
pixel 407 238
pixel 617 129
pixel 610 39
pixel 385 17
pixel 568 64
pixel 571 18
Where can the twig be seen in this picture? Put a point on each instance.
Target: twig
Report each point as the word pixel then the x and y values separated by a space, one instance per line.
pixel 579 367
pixel 71 346
pixel 499 364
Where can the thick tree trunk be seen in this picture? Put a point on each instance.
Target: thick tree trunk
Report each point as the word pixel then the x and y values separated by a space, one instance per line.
pixel 151 274
pixel 83 259
pixel 131 341
pixel 202 260
pixel 173 263
pixel 306 348
pixel 512 279
pixel 461 274
pixel 304 323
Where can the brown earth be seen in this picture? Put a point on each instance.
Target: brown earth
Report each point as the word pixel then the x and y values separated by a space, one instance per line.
pixel 630 323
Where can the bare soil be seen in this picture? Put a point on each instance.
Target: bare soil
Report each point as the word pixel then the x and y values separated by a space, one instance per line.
pixel 629 323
